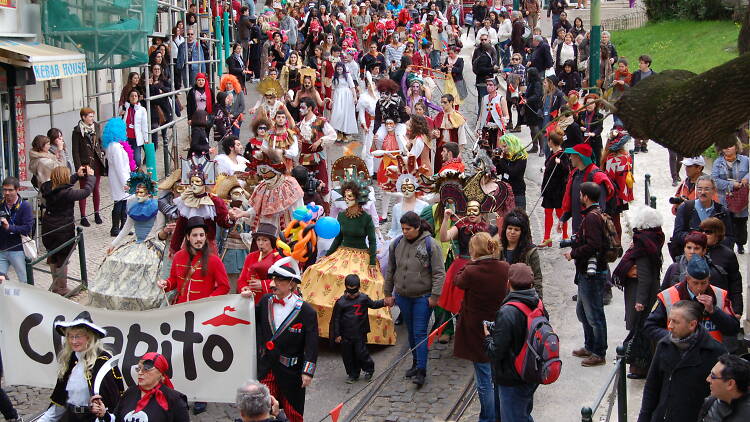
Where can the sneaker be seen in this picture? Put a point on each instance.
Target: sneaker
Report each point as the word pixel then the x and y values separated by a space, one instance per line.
pixel 675 183
pixel 581 353
pixel 368 376
pixel 85 222
pixel 419 378
pixel 114 232
pixel 199 407
pixel 412 371
pixel 644 149
pixel 593 360
pixel 97 218
pixel 351 380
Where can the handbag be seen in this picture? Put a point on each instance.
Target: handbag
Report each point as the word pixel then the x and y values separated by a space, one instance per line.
pixel 29 247
pixel 737 199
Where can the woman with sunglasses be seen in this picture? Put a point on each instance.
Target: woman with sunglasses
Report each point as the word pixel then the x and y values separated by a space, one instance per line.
pixel 154 399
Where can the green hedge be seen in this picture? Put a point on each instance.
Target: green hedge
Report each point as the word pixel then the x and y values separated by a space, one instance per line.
pixel 686 9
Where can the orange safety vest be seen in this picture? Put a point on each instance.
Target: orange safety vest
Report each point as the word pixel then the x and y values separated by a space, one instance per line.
pixel 671 296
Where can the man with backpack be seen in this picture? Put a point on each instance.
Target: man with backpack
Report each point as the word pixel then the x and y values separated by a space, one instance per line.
pixel 584 170
pixel 590 247
pixel 519 370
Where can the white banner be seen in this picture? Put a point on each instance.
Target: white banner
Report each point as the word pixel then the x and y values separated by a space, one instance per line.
pixel 210 343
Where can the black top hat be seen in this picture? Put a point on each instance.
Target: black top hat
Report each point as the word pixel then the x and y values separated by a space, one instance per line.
pixel 82 320
pixel 266 229
pixel 194 222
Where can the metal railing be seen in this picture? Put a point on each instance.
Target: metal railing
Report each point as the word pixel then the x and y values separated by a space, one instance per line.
pixel 630 21
pixel 617 376
pixel 78 240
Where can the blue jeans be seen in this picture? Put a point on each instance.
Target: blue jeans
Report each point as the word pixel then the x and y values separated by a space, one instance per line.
pixel 136 151
pixel 503 53
pixel 485 390
pixel 18 260
pixel 416 312
pixel 435 59
pixel 555 21
pixel 590 311
pixel 517 402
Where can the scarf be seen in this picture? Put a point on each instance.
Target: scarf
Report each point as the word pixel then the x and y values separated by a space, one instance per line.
pixel 452 120
pixel 160 363
pixel 687 343
pixel 209 106
pixel 129 150
pixel 86 129
pixel 646 242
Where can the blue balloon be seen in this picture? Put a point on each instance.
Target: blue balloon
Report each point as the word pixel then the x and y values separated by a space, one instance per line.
pixel 327 228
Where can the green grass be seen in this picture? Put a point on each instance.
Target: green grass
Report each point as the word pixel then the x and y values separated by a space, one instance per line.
pixel 687 45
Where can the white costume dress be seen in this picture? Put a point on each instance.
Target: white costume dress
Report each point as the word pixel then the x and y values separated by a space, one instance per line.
pixel 343 117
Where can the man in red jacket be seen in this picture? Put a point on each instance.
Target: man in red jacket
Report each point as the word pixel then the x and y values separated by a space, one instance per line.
pixel 196 271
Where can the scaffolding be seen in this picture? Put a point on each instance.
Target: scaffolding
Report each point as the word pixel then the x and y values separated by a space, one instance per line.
pixel 117 34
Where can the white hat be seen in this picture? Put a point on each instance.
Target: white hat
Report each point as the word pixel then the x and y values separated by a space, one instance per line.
pixel 286 268
pixel 694 161
pixel 82 320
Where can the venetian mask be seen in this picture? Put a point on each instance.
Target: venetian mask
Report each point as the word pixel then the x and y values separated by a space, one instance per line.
pixel 408 188
pixel 350 199
pixel 141 193
pixel 472 210
pixel 179 189
pixel 237 194
pixel 266 172
pixel 197 186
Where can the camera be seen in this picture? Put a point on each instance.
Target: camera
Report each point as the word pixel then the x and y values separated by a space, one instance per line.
pixel 568 243
pixel 677 200
pixel 591 266
pixel 4 214
pixel 489 324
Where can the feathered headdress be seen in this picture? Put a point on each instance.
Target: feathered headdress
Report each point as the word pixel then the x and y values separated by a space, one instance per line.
pixel 270 86
pixel 307 72
pixel 351 169
pixel 138 178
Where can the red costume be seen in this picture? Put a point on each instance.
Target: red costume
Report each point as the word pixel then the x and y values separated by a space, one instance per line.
pixel 598 177
pixel 190 281
pixel 257 268
pixel 454 164
pixel 312 158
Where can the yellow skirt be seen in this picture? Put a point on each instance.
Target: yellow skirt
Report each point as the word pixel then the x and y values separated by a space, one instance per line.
pixel 323 284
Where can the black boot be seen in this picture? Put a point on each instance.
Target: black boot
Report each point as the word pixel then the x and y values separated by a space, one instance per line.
pixel 97 218
pixel 413 371
pixel 116 220
pixel 419 378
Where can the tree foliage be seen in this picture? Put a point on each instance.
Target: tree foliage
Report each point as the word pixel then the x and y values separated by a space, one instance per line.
pixel 686 9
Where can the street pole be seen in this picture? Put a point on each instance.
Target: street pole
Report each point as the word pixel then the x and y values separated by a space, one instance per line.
pixel 596 40
pixel 516 4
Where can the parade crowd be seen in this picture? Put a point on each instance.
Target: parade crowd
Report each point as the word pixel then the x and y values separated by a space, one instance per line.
pixel 426 211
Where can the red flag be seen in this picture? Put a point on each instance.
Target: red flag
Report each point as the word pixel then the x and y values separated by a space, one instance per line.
pixel 438 331
pixel 335 412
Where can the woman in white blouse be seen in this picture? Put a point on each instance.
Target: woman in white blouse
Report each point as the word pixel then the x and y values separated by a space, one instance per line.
pixel 566 50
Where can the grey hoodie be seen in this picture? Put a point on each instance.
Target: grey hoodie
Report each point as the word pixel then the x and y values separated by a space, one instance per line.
pixel 414 271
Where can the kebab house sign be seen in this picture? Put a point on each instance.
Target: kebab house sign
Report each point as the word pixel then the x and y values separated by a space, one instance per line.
pixel 210 343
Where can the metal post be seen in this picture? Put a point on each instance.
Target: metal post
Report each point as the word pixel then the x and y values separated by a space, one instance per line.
pixel 219 45
pixel 647 184
pixel 653 202
pixel 29 271
pixel 622 389
pixel 82 257
pixel 596 40
pixel 227 43
pixel 516 5
pixel 587 414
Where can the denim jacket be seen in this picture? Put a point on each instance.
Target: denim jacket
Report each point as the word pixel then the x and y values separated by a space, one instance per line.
pixel 722 171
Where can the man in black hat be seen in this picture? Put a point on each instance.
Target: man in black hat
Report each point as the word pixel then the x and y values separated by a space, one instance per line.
pixel 287 335
pixel 196 271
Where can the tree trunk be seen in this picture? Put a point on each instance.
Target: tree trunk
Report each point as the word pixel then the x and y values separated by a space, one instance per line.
pixel 686 112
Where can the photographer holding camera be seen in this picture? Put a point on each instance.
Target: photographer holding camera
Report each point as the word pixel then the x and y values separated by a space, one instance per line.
pixel 16 219
pixel 588 244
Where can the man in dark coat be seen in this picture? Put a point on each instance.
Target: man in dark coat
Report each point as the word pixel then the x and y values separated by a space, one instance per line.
pixel 505 342
pixel 541 55
pixel 676 387
pixel 516 35
pixel 691 213
pixel 287 335
pixel 730 397
pixel 350 324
